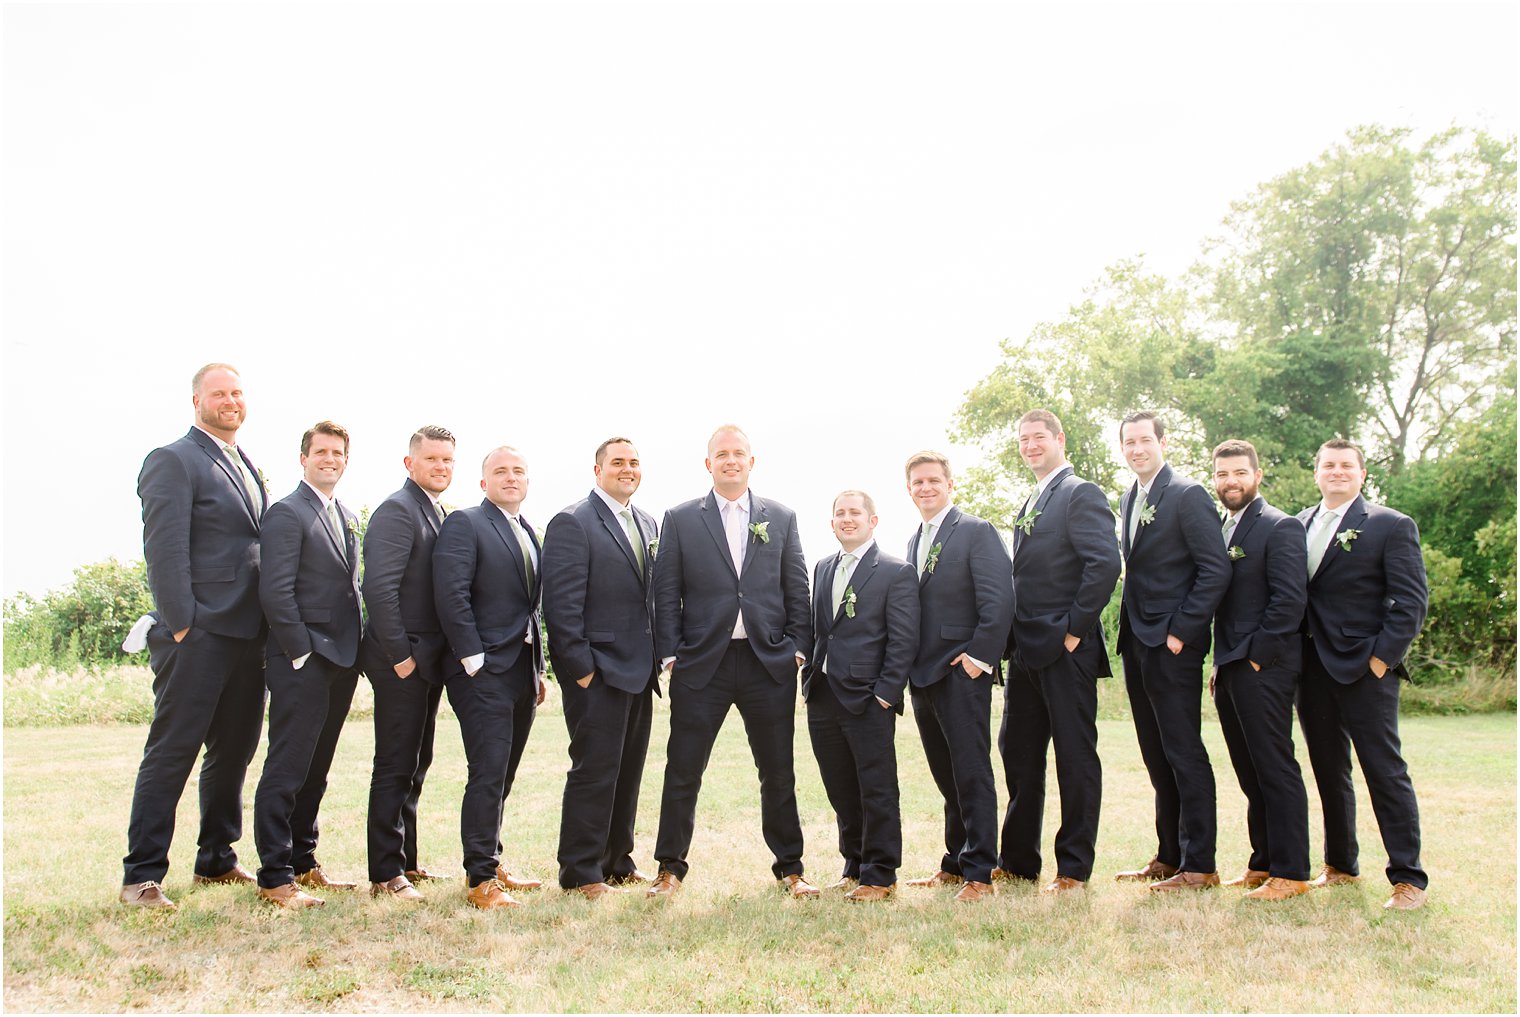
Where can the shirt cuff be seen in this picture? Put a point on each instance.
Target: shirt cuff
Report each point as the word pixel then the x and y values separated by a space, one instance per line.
pixel 301 660
pixel 474 662
pixel 985 668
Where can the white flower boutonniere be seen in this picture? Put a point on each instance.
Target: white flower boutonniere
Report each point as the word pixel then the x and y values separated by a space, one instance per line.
pixel 654 547
pixel 1345 537
pixel 353 527
pixel 1026 523
pixel 932 558
pixel 1237 552
pixel 849 602
pixel 1147 514
pixel 761 532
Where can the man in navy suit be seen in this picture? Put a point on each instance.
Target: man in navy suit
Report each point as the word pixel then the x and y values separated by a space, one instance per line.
pixel 405 657
pixel 865 618
pixel 1256 671
pixel 599 609
pixel 965 597
pixel 1176 573
pixel 1065 565
pixel 731 627
pixel 1367 601
pixel 201 504
pixel 309 587
pixel 486 583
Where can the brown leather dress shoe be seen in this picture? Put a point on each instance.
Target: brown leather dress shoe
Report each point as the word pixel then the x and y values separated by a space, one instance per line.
pixel 940 878
pixel 1186 881
pixel 146 895
pixel 1331 876
pixel 1249 879
pixel 289 896
pixel 1277 888
pixel 1148 873
pixel 973 892
pixel 634 878
pixel 489 895
pixel 420 875
pixel 512 882
pixel 665 885
pixel 1406 897
pixel 317 879
pixel 236 874
pixel 844 884
pixel 795 886
pixel 400 888
pixel 1063 884
pixel 864 893
pixel 594 891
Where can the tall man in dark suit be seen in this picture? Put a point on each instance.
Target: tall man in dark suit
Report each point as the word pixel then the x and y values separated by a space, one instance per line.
pixel 965 600
pixel 309 587
pixel 1065 565
pixel 486 583
pixel 599 609
pixel 865 618
pixel 731 627
pixel 1257 666
pixel 201 505
pixel 405 657
pixel 1367 601
pixel 1176 574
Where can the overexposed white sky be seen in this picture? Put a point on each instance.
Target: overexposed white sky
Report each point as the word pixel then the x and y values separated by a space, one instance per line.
pixel 542 225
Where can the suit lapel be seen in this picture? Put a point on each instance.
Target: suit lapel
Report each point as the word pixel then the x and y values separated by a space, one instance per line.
pixel 503 529
pixel 713 517
pixel 865 568
pixel 424 503
pixel 823 583
pixel 619 533
pixel 1247 521
pixel 350 540
pixel 212 449
pixel 1039 505
pixel 338 543
pixel 1153 501
pixel 941 536
pixel 757 515
pixel 1354 516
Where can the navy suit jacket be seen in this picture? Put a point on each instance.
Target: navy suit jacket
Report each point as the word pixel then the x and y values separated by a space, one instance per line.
pixel 868 646
pixel 398 585
pixel 480 586
pixel 1064 572
pixel 1263 609
pixel 598 600
pixel 1176 571
pixel 698 596
pixel 201 538
pixel 966 601
pixel 309 579
pixel 1368 600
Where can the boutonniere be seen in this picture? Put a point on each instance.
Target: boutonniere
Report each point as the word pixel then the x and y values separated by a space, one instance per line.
pixel 849 601
pixel 353 527
pixel 1345 537
pixel 1237 552
pixel 654 547
pixel 263 481
pixel 761 532
pixel 1147 514
pixel 1027 522
pixel 932 558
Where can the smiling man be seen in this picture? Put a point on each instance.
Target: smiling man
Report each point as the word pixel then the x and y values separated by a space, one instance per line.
pixel 309 587
pixel 599 609
pixel 1176 572
pixel 865 618
pixel 965 597
pixel 1257 664
pixel 731 626
pixel 1367 601
pixel 486 584
pixel 201 505
pixel 1065 565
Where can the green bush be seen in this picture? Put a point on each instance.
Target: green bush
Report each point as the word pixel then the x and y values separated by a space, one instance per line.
pixel 81 624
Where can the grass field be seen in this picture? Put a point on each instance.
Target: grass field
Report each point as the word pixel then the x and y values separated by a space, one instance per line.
pixel 729 942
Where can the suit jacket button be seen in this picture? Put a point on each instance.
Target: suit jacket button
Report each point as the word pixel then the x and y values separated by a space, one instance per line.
pixel 741 596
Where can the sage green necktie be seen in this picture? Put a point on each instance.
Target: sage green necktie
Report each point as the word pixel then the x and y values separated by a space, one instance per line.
pixel 1319 539
pixel 923 546
pixel 633 535
pixel 242 468
pixel 842 580
pixel 336 518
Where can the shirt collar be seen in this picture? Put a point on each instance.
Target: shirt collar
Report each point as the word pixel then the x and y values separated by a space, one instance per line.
pixel 939 519
pixel 612 503
pixel 220 443
pixel 859 552
pixel 324 499
pixel 742 504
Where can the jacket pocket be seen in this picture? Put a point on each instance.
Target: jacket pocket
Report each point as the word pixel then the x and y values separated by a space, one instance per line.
pixel 214 574
pixel 599 637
